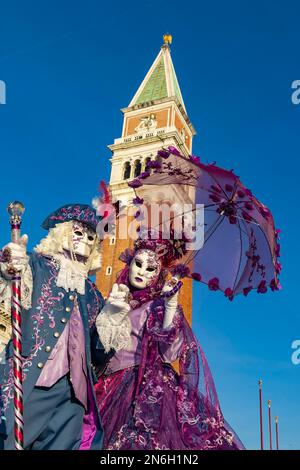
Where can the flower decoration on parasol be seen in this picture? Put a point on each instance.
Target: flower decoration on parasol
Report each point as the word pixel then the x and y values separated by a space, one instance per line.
pixel 241 245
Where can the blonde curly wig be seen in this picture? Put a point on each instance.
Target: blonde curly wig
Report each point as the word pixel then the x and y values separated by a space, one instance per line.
pixel 52 245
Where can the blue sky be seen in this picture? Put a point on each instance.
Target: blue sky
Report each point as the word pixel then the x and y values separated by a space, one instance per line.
pixel 70 66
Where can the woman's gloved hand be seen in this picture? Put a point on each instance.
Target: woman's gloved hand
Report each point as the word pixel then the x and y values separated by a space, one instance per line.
pixel 171 303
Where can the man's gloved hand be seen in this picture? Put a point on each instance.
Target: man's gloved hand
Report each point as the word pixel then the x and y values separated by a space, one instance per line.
pixel 170 302
pixel 16 258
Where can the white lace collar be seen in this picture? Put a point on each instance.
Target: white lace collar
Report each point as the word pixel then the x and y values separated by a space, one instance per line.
pixel 71 275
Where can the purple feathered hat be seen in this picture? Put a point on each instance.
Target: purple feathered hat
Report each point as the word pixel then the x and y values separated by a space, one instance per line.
pixel 81 212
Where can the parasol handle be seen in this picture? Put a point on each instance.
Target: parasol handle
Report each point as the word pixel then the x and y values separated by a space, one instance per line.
pixel 177 286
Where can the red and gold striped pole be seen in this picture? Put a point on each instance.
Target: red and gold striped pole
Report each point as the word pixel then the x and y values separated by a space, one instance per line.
pixel 277 432
pixel 270 423
pixel 261 416
pixel 15 210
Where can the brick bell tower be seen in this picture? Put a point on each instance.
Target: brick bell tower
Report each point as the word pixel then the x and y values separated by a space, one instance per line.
pixel 155 117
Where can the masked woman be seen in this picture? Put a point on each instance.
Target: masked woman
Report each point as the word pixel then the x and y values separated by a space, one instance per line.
pixel 144 403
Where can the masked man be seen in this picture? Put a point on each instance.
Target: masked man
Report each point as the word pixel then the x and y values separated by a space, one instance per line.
pixel 60 305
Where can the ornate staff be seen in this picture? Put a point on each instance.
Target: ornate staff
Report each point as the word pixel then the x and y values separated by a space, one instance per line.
pixel 15 210
pixel 261 416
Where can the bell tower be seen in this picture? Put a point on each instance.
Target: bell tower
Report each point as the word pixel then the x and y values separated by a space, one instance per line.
pixel 155 117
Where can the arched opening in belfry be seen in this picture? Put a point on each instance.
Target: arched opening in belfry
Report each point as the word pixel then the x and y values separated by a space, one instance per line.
pixel 137 168
pixel 148 159
pixel 127 171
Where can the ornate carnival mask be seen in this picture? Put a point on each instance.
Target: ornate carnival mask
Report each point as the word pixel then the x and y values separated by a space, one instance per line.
pixel 81 240
pixel 144 269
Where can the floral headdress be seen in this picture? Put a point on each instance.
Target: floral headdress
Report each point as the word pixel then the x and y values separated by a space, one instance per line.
pixel 168 250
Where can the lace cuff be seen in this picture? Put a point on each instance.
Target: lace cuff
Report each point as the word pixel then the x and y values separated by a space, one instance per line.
pixel 114 331
pixel 26 290
pixel 155 324
pixel 176 320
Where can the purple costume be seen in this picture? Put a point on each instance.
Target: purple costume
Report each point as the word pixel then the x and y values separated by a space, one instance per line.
pixel 144 403
pixel 127 358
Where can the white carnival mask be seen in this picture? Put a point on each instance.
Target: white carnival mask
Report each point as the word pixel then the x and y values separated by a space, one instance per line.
pixel 144 269
pixel 82 240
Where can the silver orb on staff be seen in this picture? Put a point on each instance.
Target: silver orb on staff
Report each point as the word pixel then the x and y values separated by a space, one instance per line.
pixel 15 210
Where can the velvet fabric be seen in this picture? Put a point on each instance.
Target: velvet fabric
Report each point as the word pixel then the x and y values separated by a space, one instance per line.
pixel 68 357
pixel 145 404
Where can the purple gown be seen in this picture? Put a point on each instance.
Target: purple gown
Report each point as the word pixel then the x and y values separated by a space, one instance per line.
pixel 145 404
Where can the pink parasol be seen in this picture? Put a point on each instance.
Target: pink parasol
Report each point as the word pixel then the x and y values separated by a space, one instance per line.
pixel 241 249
